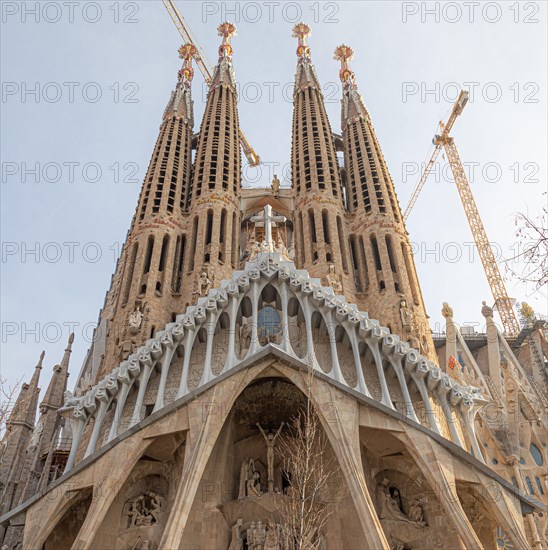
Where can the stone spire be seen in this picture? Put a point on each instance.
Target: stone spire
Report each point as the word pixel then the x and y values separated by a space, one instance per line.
pixel 385 278
pixel 53 398
pixel 19 429
pixel 319 210
pixel 46 428
pixel 353 106
pixel 146 289
pixel 213 206
pixel 180 103
pixel 24 411
pixel 224 73
pixel 305 74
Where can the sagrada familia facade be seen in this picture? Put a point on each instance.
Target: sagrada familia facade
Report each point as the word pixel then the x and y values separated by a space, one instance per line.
pixel 223 303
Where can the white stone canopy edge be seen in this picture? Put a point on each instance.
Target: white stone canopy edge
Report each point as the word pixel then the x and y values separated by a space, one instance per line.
pixel 289 282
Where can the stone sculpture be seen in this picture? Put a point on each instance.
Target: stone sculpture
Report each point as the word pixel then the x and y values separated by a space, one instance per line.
pixel 135 320
pixel 250 484
pixel 236 542
pixel 333 280
pixel 391 506
pixel 270 440
pixel 204 284
pixel 145 509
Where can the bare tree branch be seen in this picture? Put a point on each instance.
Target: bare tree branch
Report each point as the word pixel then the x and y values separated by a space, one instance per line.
pixel 8 397
pixel 530 264
pixel 311 468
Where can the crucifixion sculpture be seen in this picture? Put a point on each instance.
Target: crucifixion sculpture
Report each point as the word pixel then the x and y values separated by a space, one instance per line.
pixel 270 439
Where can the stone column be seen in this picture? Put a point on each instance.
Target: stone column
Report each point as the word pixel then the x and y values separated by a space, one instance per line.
pixel 343 433
pixel 436 466
pixel 202 436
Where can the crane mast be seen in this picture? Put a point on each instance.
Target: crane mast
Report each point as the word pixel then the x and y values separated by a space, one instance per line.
pixel 206 69
pixel 494 277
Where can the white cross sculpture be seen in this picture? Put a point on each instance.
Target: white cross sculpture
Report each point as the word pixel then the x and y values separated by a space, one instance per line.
pixel 267 218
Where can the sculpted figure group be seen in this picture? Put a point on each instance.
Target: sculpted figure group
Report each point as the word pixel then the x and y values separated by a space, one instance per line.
pixel 145 509
pixel 390 504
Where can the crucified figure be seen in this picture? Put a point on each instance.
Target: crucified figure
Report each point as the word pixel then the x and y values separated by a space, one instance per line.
pixel 270 439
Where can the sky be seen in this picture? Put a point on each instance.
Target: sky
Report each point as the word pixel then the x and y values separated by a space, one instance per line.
pixel 84 86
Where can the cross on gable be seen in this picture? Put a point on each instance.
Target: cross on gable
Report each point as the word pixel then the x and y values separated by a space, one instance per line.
pixel 267 218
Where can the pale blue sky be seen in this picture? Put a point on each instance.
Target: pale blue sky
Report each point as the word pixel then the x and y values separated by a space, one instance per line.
pixel 505 137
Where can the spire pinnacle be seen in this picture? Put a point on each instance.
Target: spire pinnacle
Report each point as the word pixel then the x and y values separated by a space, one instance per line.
pixel 186 74
pixel 353 105
pixel 344 54
pixel 41 360
pixel 302 31
pixel 68 350
pixel 226 30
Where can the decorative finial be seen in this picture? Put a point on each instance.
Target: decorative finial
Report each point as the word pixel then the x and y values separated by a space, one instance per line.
pixel 187 52
pixel 70 340
pixel 446 310
pixel 344 54
pixel 302 31
pixel 486 311
pixel 527 312
pixel 226 30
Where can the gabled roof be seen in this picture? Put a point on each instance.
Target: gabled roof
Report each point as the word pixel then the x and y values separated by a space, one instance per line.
pixel 388 351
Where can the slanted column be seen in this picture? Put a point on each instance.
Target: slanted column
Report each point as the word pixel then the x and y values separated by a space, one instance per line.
pixel 376 335
pixel 418 377
pixel 106 389
pixel 296 282
pixel 436 466
pixel 254 277
pixel 212 317
pixel 395 351
pixel 191 331
pixel 201 438
pixel 444 389
pixel 343 433
pixel 99 417
pixel 469 410
pixel 493 349
pixel 128 371
pixel 450 334
pixel 77 424
pixel 233 297
pixel 335 366
pixel 168 347
pixel 353 327
pixel 284 298
pixel 119 410
pixel 147 362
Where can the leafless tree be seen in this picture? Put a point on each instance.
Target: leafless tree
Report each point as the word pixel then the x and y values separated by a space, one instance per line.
pixel 8 395
pixel 312 472
pixel 530 263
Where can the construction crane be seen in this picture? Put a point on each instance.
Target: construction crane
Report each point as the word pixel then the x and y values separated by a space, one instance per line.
pixel 206 69
pixel 444 140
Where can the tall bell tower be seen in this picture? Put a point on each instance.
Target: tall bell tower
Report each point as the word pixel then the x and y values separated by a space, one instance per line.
pixel 147 287
pixel 319 210
pixel 385 278
pixel 214 211
pixel 184 237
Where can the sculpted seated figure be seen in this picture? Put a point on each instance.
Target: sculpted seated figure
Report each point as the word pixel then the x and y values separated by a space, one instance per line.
pixel 253 486
pixel 390 504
